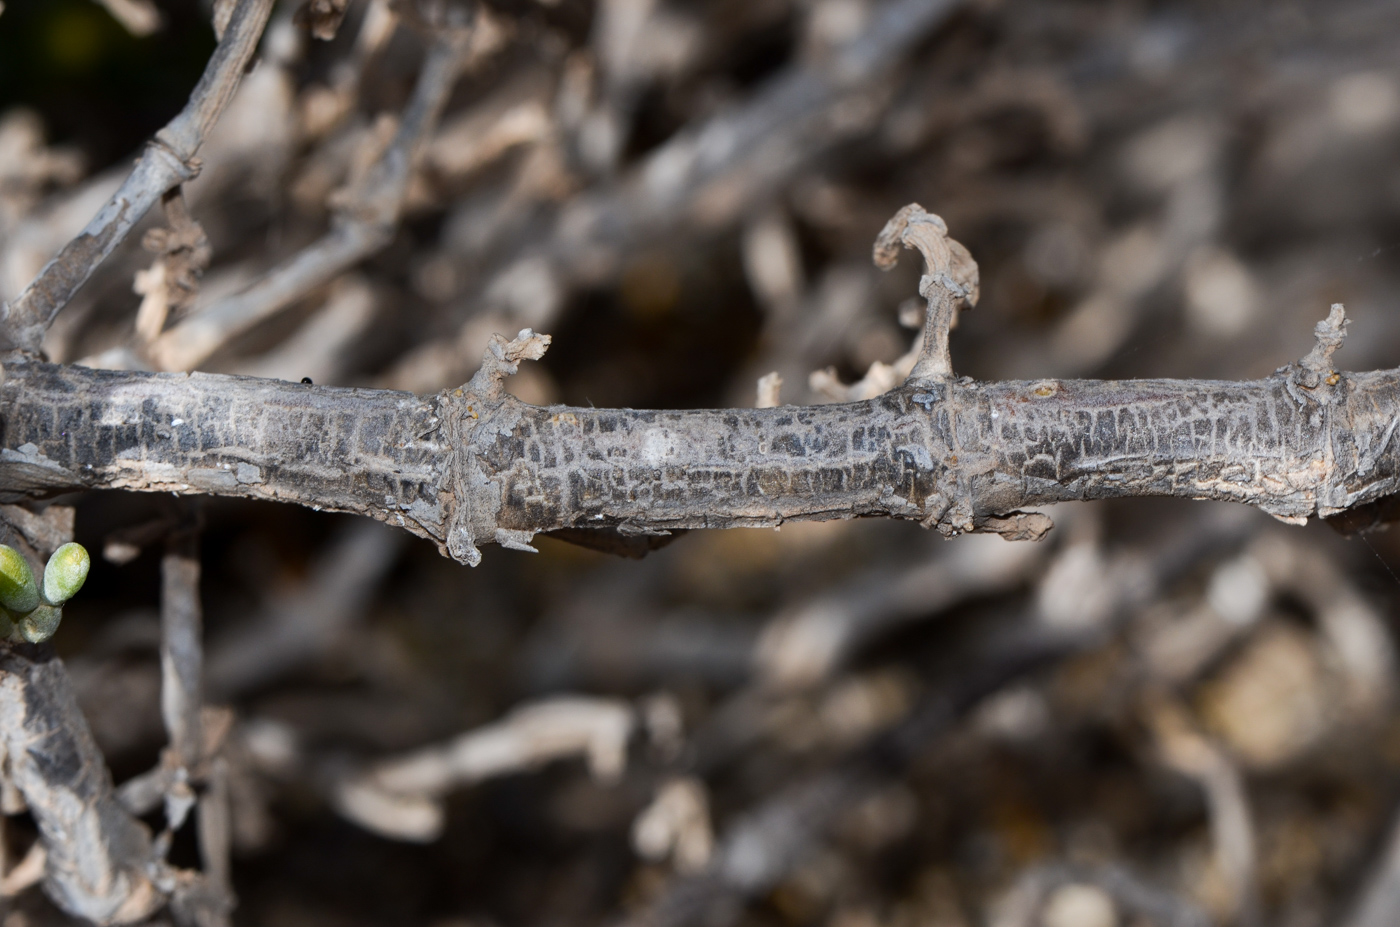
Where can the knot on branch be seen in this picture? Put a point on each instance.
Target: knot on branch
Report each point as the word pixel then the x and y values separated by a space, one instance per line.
pixel 166 146
pixel 1312 377
pixel 502 358
pixel 468 504
pixel 951 512
pixel 171 284
pixel 950 281
pixel 1330 333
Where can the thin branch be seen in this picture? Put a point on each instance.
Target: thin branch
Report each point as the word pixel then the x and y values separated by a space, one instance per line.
pixel 401 798
pixel 190 776
pixel 172 282
pixel 1232 830
pixel 98 854
pixel 182 648
pixel 364 223
pixel 168 161
pixel 213 816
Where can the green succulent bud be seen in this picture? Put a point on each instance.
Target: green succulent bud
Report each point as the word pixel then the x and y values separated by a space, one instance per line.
pixel 65 573
pixel 18 591
pixel 7 626
pixel 39 625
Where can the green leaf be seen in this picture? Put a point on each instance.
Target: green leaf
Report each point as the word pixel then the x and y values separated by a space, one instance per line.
pixel 40 624
pixel 18 591
pixel 66 571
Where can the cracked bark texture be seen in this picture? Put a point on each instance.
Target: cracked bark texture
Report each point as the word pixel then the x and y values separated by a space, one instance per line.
pixel 474 464
pixel 952 454
pixel 98 854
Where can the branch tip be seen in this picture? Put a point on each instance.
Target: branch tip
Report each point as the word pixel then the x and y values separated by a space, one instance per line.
pixel 1309 379
pixel 1330 333
pixel 502 358
pixel 950 280
pixel 770 386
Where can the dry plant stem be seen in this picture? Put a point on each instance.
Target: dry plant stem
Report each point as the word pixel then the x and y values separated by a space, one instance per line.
pixel 98 854
pixel 1232 830
pixel 181 649
pixel 203 899
pixel 361 227
pixel 949 455
pixel 950 279
pixel 169 160
pixel 475 465
pixel 172 281
pixel 216 840
pixel 400 797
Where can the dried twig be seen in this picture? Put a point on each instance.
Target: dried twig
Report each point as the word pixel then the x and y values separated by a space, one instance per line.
pixel 190 774
pixel 172 281
pixel 401 798
pixel 365 221
pixel 1232 830
pixel 168 161
pixel 98 854
pixel 182 651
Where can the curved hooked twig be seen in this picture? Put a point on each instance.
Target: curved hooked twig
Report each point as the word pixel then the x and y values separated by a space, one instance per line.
pixel 950 281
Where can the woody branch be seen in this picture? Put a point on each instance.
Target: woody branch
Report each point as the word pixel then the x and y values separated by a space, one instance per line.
pixel 475 465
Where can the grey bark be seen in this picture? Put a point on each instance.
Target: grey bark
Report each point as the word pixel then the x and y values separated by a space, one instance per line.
pixel 182 649
pixel 98 855
pixel 952 454
pixel 475 465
